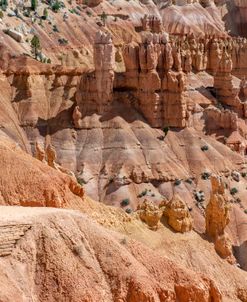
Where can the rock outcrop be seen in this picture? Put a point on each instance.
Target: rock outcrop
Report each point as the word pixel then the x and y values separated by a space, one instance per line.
pixel 149 213
pixel 156 69
pixel 20 170
pixel 243 90
pixel 152 23
pixel 77 118
pixel 175 100
pixel 14 34
pixel 80 255
pixel 9 237
pixel 217 218
pixel 158 87
pixel 39 152
pixel 154 78
pixel 178 215
pixel 95 92
pixel 223 83
pixel 221 119
pixel 50 156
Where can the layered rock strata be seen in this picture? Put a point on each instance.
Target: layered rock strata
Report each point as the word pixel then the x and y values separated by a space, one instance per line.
pixel 21 174
pixel 154 80
pixel 95 92
pixel 49 156
pixel 88 262
pixel 152 23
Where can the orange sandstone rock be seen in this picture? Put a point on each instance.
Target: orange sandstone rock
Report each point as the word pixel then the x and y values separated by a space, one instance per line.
pixel 150 214
pixel 178 215
pixel 217 218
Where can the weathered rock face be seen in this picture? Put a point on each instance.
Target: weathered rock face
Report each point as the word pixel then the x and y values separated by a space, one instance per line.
pixel 39 99
pixel 236 17
pixel 217 218
pixel 241 12
pixel 50 156
pixel 223 83
pixel 178 215
pixel 39 152
pixel 215 52
pixel 217 211
pixel 175 100
pixel 243 90
pixel 150 214
pixel 158 87
pixel 152 23
pixel 77 121
pixel 242 294
pixel 238 48
pixel 185 2
pixel 154 80
pixel 15 35
pixel 223 247
pixel 149 81
pixel 241 257
pixel 83 255
pixel 95 92
pixel 221 119
pixel 224 55
pixel 20 170
pixel 104 66
pixel 181 18
pixel 177 19
pixel 154 83
pixel 155 75
pixel 86 145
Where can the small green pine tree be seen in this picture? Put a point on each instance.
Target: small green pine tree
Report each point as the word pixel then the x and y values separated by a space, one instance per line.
pixel 5 3
pixel 35 45
pixel 103 17
pixel 34 4
pixel 45 13
pixel 56 6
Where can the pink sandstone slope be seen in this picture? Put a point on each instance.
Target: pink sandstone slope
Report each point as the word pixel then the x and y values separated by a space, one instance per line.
pixel 64 256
